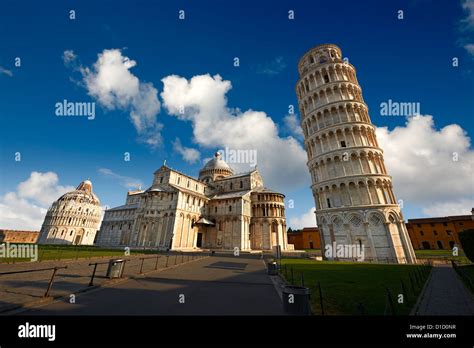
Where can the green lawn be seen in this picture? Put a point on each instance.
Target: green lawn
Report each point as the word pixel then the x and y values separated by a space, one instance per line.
pixel 345 285
pixel 468 270
pixel 441 255
pixel 466 273
pixel 56 252
pixel 313 251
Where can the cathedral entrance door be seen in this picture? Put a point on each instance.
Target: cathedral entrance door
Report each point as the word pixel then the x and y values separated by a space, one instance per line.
pixel 199 240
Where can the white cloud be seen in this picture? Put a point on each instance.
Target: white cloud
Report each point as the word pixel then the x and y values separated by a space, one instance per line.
pixel 5 71
pixel 112 84
pixel 125 181
pixel 189 154
pixel 25 209
pixel 468 6
pixel 469 48
pixel 467 24
pixel 68 56
pixel 292 124
pixel 421 160
pixel 42 188
pixel 307 219
pixel 460 207
pixel 20 214
pixel 202 100
pixel 272 68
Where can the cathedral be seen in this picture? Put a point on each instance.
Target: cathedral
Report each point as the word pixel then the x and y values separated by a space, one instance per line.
pixel 218 210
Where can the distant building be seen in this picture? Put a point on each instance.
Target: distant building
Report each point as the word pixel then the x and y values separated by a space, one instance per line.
pixel 73 219
pixel 217 210
pixel 306 238
pixel 15 236
pixel 438 233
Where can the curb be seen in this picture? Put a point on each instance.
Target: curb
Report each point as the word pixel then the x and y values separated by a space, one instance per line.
pixel 277 281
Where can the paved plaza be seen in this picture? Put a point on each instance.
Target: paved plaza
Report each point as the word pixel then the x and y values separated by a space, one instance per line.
pixel 215 285
pixel 25 289
pixel 445 294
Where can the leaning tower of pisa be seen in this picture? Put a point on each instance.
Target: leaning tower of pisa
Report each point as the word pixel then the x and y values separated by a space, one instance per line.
pixel 353 193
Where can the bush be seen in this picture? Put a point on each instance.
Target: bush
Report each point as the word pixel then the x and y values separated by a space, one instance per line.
pixel 466 238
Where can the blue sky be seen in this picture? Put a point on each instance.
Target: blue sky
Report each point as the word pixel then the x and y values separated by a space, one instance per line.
pixel 407 60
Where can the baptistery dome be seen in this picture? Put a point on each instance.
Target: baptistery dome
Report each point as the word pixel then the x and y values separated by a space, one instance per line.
pixel 82 194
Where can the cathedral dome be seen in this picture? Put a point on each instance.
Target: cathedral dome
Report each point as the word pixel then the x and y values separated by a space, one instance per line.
pixel 216 163
pixel 215 169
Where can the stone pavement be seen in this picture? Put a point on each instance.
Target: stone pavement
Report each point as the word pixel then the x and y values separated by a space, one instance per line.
pixel 25 289
pixel 445 294
pixel 216 285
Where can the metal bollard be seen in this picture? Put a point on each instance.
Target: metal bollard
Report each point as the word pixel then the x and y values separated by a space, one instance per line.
pixel 321 298
pixel 390 301
pixel 91 283
pixel 50 282
pixel 50 285
pixel 156 264
pixel 124 264
pixel 141 267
